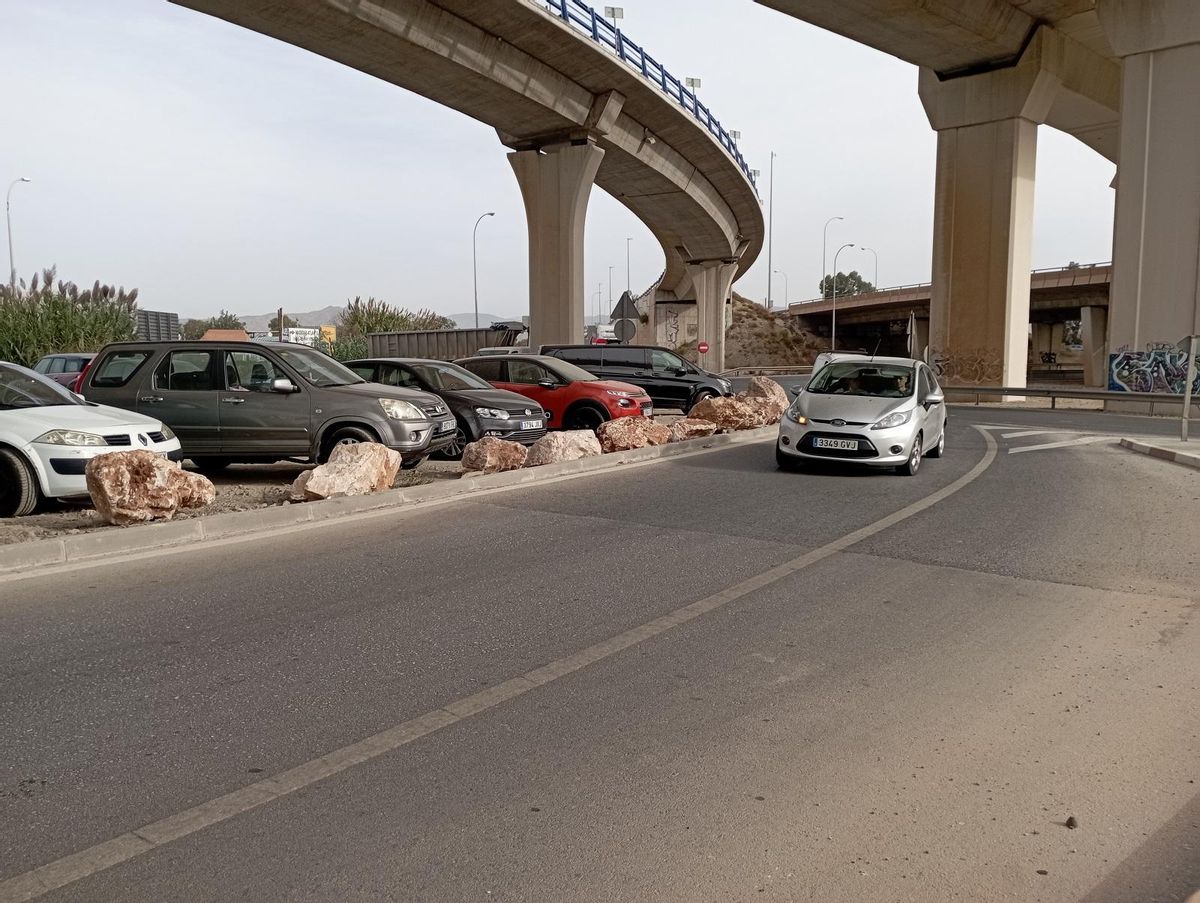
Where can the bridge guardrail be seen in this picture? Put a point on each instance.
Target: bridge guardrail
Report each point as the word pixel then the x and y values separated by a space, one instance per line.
pixel 585 20
pixel 1054 393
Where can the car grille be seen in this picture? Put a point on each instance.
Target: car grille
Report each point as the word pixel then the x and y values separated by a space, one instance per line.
pixel 865 448
pixel 156 437
pixel 646 406
pixel 119 439
pixel 525 436
pixel 846 422
pixel 434 410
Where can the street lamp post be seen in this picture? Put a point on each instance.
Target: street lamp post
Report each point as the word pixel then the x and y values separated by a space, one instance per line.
pixel 785 287
pixel 876 282
pixel 628 286
pixel 610 269
pixel 12 267
pixel 475 264
pixel 824 244
pixel 770 224
pixel 833 328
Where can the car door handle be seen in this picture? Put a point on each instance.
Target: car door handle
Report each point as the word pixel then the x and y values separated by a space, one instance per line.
pixel 233 400
pixel 153 399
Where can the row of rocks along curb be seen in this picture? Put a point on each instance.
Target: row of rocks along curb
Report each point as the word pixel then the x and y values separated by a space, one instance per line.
pixel 20 557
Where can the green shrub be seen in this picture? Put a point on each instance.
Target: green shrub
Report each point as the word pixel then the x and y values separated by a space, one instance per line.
pixel 360 318
pixel 46 317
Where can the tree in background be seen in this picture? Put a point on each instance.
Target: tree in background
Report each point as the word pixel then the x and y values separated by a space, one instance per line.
pixel 195 329
pixel 48 316
pixel 288 323
pixel 847 284
pixel 360 318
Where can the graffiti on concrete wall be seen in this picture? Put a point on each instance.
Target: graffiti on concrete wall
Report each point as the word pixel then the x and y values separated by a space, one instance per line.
pixel 1160 368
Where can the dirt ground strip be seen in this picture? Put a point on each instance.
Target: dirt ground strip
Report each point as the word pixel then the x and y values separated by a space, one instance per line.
pixel 241 487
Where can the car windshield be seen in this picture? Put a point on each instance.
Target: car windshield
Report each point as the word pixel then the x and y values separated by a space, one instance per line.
pixel 570 372
pixel 21 388
pixel 437 375
pixel 319 369
pixel 859 378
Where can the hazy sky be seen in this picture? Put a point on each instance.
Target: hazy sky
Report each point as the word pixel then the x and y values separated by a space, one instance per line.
pixel 214 168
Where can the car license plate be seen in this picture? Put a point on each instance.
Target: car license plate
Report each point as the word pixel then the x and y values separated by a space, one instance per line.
pixel 648 411
pixel 446 425
pixel 839 444
pixel 531 424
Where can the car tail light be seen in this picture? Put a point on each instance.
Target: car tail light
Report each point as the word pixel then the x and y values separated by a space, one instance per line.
pixel 77 384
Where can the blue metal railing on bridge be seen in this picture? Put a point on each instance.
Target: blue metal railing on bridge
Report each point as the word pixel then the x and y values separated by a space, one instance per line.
pixel 585 20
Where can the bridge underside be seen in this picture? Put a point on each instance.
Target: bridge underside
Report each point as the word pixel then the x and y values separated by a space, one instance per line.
pixel 1117 74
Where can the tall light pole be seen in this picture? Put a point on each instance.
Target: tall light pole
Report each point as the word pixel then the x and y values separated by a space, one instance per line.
pixel 876 282
pixel 628 286
pixel 12 267
pixel 785 287
pixel 610 269
pixel 475 264
pixel 833 328
pixel 770 223
pixel 824 244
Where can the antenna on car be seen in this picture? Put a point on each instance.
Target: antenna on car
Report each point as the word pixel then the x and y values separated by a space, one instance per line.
pixel 876 351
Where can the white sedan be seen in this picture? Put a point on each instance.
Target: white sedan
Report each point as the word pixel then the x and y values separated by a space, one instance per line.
pixel 48 434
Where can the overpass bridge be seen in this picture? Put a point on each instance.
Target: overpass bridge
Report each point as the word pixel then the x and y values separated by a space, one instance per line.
pixel 1056 295
pixel 577 103
pixel 1119 75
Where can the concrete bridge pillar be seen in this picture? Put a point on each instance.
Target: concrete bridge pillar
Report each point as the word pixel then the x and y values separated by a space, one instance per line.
pixel 712 281
pixel 983 215
pixel 1094 332
pixel 556 183
pixel 1155 296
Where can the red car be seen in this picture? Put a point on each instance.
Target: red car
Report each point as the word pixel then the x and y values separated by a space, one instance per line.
pixel 572 398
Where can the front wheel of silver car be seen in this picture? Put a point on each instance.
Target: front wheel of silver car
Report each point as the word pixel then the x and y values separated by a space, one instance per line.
pixel 910 467
pixel 940 448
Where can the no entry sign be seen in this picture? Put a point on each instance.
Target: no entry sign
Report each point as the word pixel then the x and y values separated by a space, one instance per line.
pixel 702 347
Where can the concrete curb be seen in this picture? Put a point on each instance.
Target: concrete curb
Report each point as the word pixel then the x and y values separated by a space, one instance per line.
pixel 1187 459
pixel 18 557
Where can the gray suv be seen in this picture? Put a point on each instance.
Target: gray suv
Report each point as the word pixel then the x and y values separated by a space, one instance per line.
pixel 241 402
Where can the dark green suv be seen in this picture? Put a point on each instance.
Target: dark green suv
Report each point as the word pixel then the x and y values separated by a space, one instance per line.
pixel 242 402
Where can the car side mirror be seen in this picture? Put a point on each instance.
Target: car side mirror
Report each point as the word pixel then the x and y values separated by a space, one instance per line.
pixel 284 386
pixel 796 390
pixel 934 398
pixel 681 371
pixel 547 384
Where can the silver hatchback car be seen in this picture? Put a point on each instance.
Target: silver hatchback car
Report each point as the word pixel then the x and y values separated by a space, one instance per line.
pixel 878 411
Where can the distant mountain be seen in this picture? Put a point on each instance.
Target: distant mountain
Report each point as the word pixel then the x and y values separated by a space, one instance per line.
pixel 326 316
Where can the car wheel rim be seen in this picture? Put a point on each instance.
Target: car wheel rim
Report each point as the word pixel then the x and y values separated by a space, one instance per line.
pixel 915 461
pixel 942 443
pixel 347 440
pixel 454 448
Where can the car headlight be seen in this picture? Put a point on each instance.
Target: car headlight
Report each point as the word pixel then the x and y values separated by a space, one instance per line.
pixel 398 409
pixel 492 413
pixel 725 384
pixel 621 394
pixel 167 432
pixel 897 418
pixel 796 417
pixel 70 437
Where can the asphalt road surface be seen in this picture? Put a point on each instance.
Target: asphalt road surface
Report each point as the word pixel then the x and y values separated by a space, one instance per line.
pixel 703 679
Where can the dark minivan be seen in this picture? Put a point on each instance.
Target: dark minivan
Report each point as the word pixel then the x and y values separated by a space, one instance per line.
pixel 669 380
pixel 243 402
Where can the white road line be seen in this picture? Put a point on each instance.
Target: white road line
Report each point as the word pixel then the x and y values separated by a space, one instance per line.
pixel 104 855
pixel 1025 433
pixel 1066 443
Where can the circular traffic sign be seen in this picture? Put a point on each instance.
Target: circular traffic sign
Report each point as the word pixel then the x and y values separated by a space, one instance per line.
pixel 625 330
pixel 702 347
